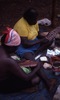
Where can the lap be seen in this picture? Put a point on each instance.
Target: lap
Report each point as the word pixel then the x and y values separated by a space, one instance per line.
pixel 13 85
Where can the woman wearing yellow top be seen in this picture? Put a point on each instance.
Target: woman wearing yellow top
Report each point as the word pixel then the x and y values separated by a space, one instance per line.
pixel 28 30
pixel 31 42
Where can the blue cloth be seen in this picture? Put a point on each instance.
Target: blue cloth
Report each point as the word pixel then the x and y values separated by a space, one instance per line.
pixel 21 50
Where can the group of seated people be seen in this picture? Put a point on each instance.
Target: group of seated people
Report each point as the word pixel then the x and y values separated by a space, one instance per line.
pixel 24 40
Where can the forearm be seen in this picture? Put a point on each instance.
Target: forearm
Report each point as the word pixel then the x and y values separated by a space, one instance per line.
pixel 16 70
pixel 29 43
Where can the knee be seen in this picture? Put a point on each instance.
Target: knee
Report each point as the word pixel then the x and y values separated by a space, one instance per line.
pixel 35 80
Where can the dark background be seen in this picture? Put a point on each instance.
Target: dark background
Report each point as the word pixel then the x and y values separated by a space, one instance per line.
pixel 12 10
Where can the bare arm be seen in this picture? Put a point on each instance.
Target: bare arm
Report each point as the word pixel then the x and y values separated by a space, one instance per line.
pixel 15 69
pixel 28 43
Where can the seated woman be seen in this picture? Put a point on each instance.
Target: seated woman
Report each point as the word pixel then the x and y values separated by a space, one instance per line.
pixel 28 30
pixel 9 43
pixel 12 77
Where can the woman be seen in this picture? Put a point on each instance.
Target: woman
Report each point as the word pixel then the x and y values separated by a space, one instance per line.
pixel 28 30
pixel 31 42
pixel 12 77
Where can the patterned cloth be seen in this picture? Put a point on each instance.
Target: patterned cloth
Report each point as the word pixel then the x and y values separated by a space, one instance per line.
pixel 12 37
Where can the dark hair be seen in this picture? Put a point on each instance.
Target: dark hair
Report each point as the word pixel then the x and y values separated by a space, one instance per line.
pixel 31 16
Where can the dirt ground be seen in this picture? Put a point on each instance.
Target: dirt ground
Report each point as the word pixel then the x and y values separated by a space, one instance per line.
pixel 12 10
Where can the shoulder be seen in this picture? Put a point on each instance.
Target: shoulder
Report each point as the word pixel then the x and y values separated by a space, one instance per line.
pixel 37 26
pixel 20 23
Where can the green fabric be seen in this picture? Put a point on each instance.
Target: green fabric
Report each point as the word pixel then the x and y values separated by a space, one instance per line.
pixel 26 70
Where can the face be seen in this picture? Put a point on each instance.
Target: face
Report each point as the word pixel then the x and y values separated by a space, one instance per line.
pixel 33 21
pixel 31 16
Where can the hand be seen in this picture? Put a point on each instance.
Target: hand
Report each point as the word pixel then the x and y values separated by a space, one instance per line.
pixel 39 65
pixel 44 41
pixel 44 33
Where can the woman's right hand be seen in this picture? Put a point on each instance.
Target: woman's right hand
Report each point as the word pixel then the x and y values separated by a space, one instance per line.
pixel 38 66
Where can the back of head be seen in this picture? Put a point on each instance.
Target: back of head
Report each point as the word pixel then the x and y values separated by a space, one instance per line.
pixel 31 16
pixel 10 39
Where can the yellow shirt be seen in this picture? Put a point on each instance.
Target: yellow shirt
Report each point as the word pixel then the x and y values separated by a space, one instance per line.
pixel 26 30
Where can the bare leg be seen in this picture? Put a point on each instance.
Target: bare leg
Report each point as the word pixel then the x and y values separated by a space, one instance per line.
pixel 29 56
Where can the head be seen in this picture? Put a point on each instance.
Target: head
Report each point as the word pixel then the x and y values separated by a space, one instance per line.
pixel 10 40
pixel 31 16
